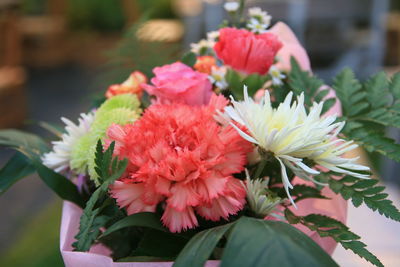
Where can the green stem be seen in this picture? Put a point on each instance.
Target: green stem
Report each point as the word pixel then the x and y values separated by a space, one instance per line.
pixel 242 4
pixel 260 168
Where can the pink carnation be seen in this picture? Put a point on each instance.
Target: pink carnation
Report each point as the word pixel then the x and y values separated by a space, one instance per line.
pixel 178 83
pixel 247 52
pixel 179 155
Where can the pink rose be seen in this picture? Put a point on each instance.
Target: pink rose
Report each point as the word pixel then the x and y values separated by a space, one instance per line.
pixel 178 83
pixel 247 52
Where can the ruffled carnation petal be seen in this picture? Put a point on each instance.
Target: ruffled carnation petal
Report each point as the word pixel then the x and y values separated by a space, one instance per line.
pixel 181 156
pixel 129 196
pixel 177 220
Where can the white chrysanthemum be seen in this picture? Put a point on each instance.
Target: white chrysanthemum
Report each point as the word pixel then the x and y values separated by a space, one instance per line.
pixel 291 135
pixel 59 158
pixel 276 75
pixel 257 26
pixel 217 77
pixel 202 47
pixel 257 196
pixel 260 15
pixel 231 6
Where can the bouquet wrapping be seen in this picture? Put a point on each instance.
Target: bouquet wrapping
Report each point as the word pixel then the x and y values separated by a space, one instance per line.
pixel 236 155
pixel 335 207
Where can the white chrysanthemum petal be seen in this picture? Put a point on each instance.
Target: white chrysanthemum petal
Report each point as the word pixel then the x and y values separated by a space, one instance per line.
pixel 291 134
pixel 244 135
pixel 60 157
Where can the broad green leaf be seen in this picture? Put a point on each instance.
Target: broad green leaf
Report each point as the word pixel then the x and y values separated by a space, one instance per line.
pixel 235 84
pixel 143 219
pixel 254 82
pixel 189 59
pixel 160 244
pixel 63 187
pixel 257 242
pixel 29 144
pixel 200 247
pixel 18 167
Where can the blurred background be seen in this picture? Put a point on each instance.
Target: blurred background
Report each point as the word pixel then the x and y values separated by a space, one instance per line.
pixel 58 56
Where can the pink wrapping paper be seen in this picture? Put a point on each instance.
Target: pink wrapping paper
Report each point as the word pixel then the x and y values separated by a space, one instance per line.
pixel 336 207
pixel 98 256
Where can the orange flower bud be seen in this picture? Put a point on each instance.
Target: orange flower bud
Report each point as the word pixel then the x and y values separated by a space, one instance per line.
pixel 131 86
pixel 204 64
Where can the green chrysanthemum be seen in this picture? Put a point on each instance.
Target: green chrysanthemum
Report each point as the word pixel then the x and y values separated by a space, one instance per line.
pixel 120 109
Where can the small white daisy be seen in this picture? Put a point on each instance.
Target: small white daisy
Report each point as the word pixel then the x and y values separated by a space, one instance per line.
pixel 276 75
pixel 59 158
pixel 256 26
pixel 260 15
pixel 231 6
pixel 290 135
pixel 213 36
pixel 202 47
pixel 217 77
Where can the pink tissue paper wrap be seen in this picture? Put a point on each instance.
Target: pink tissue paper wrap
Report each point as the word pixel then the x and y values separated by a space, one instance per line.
pixel 336 207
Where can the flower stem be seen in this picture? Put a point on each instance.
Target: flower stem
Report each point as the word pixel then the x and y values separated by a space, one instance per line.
pixel 260 168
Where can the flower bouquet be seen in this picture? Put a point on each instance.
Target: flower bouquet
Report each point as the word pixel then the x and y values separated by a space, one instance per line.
pixel 234 156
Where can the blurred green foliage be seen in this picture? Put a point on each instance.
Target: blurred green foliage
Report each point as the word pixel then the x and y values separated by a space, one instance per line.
pixel 101 15
pixel 131 54
pixel 33 7
pixel 38 244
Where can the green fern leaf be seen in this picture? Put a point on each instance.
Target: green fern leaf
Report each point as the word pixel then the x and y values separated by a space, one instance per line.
pixel 93 217
pixel 365 191
pixel 302 81
pixel 329 227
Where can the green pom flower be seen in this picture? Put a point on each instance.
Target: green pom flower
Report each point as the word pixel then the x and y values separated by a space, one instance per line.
pixel 120 109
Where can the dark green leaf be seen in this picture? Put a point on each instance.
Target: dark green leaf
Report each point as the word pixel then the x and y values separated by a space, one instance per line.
pixel 254 82
pixel 18 167
pixel 257 242
pixel 235 84
pixel 160 244
pixel 143 219
pixel 28 144
pixel 328 104
pixel 200 247
pixel 189 59
pixel 63 187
